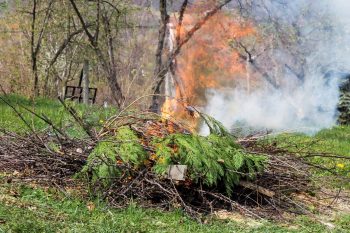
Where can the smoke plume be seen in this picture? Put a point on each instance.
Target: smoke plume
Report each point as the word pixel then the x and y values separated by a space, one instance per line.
pixel 305 97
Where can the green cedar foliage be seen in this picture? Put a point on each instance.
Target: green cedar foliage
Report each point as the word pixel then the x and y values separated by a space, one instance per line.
pixel 101 163
pixel 124 146
pixel 129 147
pixel 211 160
pixel 215 127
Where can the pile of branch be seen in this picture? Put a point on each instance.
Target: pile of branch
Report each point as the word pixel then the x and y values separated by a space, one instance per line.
pixel 30 157
pixel 268 196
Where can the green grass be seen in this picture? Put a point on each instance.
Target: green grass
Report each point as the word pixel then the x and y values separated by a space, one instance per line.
pixel 334 141
pixel 24 209
pixel 53 110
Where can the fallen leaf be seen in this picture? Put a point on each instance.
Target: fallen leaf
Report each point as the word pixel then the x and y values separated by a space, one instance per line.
pixel 91 206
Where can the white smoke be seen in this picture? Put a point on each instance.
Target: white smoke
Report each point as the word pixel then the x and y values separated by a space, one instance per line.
pixel 306 106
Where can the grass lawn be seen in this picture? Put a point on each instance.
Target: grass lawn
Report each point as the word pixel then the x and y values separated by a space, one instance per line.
pixel 25 208
pixel 53 110
pixel 334 142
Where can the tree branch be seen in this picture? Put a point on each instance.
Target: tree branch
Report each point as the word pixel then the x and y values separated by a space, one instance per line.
pixel 41 34
pixel 82 21
pixel 181 17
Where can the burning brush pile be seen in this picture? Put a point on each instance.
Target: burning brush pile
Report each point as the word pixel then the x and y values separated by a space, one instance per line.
pixel 161 163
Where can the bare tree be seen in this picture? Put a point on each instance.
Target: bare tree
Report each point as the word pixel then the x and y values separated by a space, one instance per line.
pixel 107 59
pixel 64 49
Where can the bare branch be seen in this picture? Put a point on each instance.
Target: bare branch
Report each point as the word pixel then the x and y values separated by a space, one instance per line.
pixel 82 21
pixel 181 17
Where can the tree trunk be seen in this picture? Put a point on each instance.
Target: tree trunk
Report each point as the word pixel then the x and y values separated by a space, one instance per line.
pixel 33 51
pixel 36 77
pixel 115 88
pixel 86 82
pixel 35 43
pixel 155 106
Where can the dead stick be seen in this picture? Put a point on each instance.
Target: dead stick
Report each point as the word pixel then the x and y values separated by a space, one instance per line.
pixel 257 188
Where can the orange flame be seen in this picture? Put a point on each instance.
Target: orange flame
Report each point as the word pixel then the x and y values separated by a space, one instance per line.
pixel 206 62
